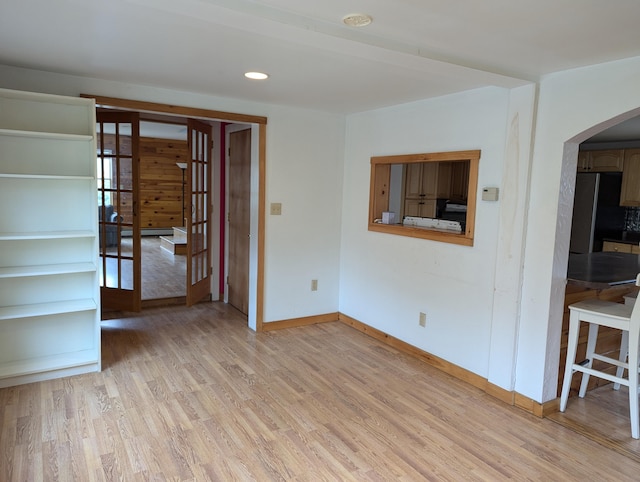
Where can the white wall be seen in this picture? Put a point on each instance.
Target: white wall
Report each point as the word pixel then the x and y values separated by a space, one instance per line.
pixel 386 280
pixel 496 308
pixel 304 172
pixel 514 201
pixel 573 106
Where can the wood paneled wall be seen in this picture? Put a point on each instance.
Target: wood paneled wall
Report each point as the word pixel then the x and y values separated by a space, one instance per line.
pixel 160 187
pixel 161 182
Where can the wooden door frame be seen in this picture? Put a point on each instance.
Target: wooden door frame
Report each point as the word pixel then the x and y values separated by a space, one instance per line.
pixel 258 122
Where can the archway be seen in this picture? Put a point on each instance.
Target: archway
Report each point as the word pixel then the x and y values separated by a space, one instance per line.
pixel 627 139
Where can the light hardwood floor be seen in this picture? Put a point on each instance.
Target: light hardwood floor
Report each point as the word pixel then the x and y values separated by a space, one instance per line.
pixel 164 275
pixel 190 394
pixel 602 416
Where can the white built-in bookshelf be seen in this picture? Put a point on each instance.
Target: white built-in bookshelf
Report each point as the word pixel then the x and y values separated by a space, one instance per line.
pixel 49 289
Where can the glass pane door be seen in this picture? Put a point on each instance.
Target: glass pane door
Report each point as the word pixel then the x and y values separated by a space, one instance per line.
pixel 118 220
pixel 198 222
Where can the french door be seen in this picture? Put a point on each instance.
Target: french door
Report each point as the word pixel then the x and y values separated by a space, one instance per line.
pixel 199 213
pixel 119 225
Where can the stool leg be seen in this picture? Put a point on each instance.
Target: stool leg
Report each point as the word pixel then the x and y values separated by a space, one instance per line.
pixel 634 338
pixel 591 348
pixel 624 352
pixel 572 345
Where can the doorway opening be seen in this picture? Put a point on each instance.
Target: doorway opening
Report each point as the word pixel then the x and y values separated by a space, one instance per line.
pixel 594 164
pixel 163 158
pixel 200 197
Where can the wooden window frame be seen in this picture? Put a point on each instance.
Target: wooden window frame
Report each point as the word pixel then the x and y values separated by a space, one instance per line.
pixel 379 196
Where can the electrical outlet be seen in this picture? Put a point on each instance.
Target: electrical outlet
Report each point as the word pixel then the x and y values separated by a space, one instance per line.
pixel 276 209
pixel 423 319
pixel 314 285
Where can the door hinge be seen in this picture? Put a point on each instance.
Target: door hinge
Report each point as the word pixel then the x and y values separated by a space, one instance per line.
pixel 227 280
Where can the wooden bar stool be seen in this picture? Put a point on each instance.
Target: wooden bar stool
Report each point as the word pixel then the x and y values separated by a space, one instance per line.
pixel 624 317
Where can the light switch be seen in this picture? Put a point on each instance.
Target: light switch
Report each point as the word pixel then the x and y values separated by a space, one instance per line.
pixel 276 209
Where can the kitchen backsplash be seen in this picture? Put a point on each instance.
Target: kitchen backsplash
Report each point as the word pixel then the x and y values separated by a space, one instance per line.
pixel 632 219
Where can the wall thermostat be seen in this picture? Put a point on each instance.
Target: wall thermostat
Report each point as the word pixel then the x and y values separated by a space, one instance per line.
pixel 489 193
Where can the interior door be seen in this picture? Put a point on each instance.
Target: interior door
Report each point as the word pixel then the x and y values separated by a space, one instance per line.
pixel 239 219
pixel 119 225
pixel 199 222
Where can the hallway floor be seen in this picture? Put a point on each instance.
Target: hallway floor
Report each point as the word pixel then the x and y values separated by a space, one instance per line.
pixel 164 275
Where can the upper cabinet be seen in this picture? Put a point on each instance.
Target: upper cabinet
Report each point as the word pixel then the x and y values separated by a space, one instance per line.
pixel 630 191
pixel 421 180
pixel 459 181
pixel 421 185
pixel 610 160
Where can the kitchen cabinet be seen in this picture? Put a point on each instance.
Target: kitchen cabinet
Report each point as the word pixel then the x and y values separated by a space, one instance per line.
pixel 612 246
pixel 421 180
pixel 424 208
pixel 425 182
pixel 420 189
pixel 615 247
pixel 453 181
pixel 459 182
pixel 630 191
pixel 444 180
pixel 610 160
pixel 49 288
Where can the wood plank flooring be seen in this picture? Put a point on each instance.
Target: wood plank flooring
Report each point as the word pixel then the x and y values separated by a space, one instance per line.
pixel 190 394
pixel 602 416
pixel 164 275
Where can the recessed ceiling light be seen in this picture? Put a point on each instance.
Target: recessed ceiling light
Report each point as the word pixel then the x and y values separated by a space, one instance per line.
pixel 256 75
pixel 357 20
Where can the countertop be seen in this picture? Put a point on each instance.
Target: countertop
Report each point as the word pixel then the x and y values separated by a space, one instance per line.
pixel 626 237
pixel 603 270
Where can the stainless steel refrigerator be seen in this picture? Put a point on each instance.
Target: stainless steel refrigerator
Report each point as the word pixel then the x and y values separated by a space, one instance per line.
pixel 597 214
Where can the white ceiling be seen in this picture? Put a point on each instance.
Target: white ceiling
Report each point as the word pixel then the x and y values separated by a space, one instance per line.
pixel 414 49
pixel 628 130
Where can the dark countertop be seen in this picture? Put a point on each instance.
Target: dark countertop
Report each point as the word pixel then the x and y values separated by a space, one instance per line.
pixel 626 237
pixel 603 270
